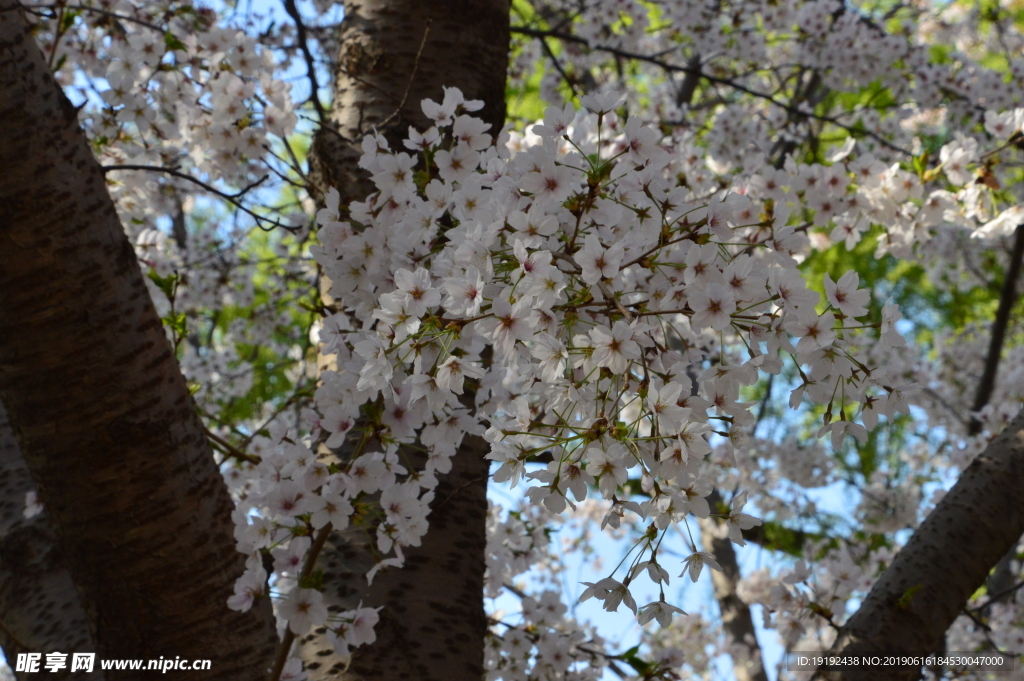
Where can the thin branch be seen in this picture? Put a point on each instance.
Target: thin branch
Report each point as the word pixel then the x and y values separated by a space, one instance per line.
pixel 300 34
pixel 625 54
pixel 1007 298
pixel 615 301
pixel 307 570
pixel 557 65
pixel 230 198
pixel 996 597
pixel 412 76
pixel 96 10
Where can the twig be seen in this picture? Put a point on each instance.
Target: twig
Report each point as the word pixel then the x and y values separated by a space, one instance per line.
pixel 615 301
pixel 97 10
pixel 412 76
pixel 233 451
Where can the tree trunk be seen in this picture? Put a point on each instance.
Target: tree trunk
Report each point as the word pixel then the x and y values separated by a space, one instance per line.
pixel 737 622
pixel 102 414
pixel 383 75
pixel 432 626
pixel 39 607
pixel 927 585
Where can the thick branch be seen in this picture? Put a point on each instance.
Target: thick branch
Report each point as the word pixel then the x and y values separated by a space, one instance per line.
pixel 383 45
pixel 928 583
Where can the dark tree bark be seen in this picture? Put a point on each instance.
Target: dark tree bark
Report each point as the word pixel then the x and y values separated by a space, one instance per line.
pixel 432 625
pixel 927 585
pixel 100 410
pixel 395 53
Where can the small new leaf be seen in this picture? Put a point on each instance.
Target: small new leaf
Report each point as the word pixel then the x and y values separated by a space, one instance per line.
pixel 903 602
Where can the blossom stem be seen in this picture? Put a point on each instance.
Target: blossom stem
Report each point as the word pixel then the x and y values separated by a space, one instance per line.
pixel 307 570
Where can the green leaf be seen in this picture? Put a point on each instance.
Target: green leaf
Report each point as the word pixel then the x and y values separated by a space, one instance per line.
pixel 172 42
pixel 630 658
pixel 166 284
pixel 903 602
pixel 176 321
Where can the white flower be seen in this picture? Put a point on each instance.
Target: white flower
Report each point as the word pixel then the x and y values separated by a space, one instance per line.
pixel 713 306
pixel 288 499
pixel 610 465
pixel 662 403
pixel 458 164
pixel 1003 125
pixel 248 587
pixel 615 347
pixel 552 356
pixel 303 608
pixel 293 671
pixel 533 227
pixel 955 158
pixel 395 175
pixel 603 102
pixel 453 370
pixel 658 574
pixel 696 561
pixel 659 610
pixel 330 507
pixel 844 295
pixel 814 331
pixel 33 506
pixel 417 286
pixel 465 293
pixel 363 620
pixel 1003 225
pixel 840 429
pixel 611 592
pixel 535 264
pixel 420 142
pixel 641 141
pixel 598 262
pixel 508 324
pixel 443 113
pixel 550 183
pixel 472 131
pixel 738 521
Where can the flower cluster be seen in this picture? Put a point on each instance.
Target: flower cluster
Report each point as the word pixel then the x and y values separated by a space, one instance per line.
pixel 586 308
